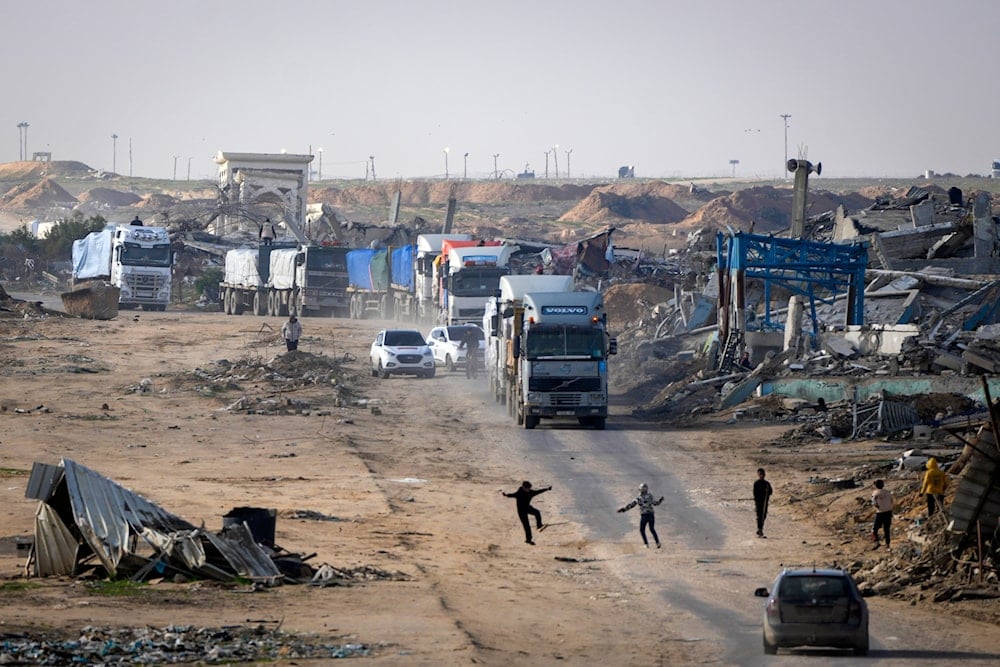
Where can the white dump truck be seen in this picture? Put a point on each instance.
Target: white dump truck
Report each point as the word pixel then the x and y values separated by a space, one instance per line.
pixel 134 258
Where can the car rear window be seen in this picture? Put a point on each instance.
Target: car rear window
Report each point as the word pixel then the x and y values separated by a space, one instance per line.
pixel 404 338
pixel 812 587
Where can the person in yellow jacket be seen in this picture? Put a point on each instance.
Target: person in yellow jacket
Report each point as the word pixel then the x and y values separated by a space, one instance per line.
pixel 933 486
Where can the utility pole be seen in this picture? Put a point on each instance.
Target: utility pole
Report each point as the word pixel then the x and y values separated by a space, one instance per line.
pixel 784 164
pixel 114 153
pixel 372 158
pixel 546 163
pixel 555 159
pixel 465 167
pixel 567 162
pixel 130 157
pixel 320 149
pixel 189 167
pixel 496 174
pixel 20 141
pixel 175 166
pixel 446 164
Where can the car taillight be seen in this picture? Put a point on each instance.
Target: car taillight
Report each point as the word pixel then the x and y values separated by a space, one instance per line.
pixel 854 612
pixel 773 610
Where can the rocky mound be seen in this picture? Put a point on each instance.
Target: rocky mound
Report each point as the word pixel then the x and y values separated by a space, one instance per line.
pixel 155 200
pixel 26 169
pixel 627 302
pixel 648 202
pixel 421 193
pixel 767 208
pixel 109 197
pixel 42 194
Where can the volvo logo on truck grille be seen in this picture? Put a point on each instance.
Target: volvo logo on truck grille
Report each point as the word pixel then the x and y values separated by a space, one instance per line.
pixel 564 310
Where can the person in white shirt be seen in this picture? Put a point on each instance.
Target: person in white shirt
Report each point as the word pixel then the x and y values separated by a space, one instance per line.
pixel 882 500
pixel 291 331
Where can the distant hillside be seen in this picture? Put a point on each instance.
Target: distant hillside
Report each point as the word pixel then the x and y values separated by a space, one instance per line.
pixel 18 171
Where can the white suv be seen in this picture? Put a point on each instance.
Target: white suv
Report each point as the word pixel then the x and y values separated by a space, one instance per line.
pixel 401 352
pixel 448 344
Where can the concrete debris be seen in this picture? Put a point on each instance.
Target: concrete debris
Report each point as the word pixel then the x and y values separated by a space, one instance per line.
pixel 173 644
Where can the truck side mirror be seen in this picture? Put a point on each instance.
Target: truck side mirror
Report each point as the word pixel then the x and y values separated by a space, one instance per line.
pixel 517 346
pixel 613 346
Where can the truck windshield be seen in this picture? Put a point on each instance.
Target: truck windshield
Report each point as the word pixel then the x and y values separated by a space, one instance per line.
pixel 473 281
pixel 134 254
pixel 565 341
pixel 326 259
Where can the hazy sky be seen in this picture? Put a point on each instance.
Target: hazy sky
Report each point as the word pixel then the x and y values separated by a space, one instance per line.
pixel 677 89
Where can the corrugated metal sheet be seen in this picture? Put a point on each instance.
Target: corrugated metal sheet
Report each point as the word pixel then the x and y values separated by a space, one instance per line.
pixel 112 520
pixel 974 484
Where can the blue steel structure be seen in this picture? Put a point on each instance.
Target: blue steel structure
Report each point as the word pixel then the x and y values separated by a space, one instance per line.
pixel 817 271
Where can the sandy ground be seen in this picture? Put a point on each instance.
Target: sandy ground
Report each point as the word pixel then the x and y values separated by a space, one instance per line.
pixel 413 486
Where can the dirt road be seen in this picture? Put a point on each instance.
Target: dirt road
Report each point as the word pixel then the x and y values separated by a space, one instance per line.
pixel 200 413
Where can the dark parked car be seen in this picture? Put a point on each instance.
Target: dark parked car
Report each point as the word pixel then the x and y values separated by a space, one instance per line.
pixel 815 607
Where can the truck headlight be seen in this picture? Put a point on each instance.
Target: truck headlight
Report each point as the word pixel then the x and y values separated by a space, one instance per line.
pixel 597 398
pixel 533 397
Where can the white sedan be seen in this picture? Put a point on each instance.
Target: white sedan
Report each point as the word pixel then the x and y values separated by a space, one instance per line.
pixel 448 344
pixel 401 352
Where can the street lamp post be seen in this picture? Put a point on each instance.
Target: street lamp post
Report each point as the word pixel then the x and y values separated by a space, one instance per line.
pixel 20 141
pixel 446 164
pixel 23 126
pixel 465 166
pixel 547 163
pixel 175 166
pixel 189 167
pixel 372 158
pixel 555 159
pixel 785 116
pixel 496 174
pixel 114 153
pixel 320 163
pixel 567 162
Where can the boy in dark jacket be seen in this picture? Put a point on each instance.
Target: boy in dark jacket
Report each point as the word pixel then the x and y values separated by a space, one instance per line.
pixel 524 508
pixel 761 498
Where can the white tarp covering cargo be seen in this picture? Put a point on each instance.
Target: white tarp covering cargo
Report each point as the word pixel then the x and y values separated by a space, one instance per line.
pixel 283 268
pixel 241 268
pixel 92 255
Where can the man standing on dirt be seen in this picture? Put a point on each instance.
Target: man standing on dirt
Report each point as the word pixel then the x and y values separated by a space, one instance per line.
pixel 645 501
pixel 761 499
pixel 882 500
pixel 524 509
pixel 291 331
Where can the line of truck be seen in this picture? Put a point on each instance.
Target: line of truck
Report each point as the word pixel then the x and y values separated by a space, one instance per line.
pixel 547 350
pixel 442 278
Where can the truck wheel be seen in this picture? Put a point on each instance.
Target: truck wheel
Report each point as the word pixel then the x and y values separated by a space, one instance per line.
pixel 294 303
pixel 259 303
pixel 530 422
pixel 599 423
pixel 237 302
pixel 384 311
pixel 224 299
pixel 271 310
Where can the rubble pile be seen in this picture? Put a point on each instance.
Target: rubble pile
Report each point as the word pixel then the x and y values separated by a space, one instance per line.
pixel 21 309
pixel 286 372
pixel 173 644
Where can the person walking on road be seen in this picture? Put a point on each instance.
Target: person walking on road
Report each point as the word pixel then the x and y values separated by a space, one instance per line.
pixel 524 509
pixel 882 500
pixel 933 486
pixel 291 331
pixel 647 518
pixel 761 499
